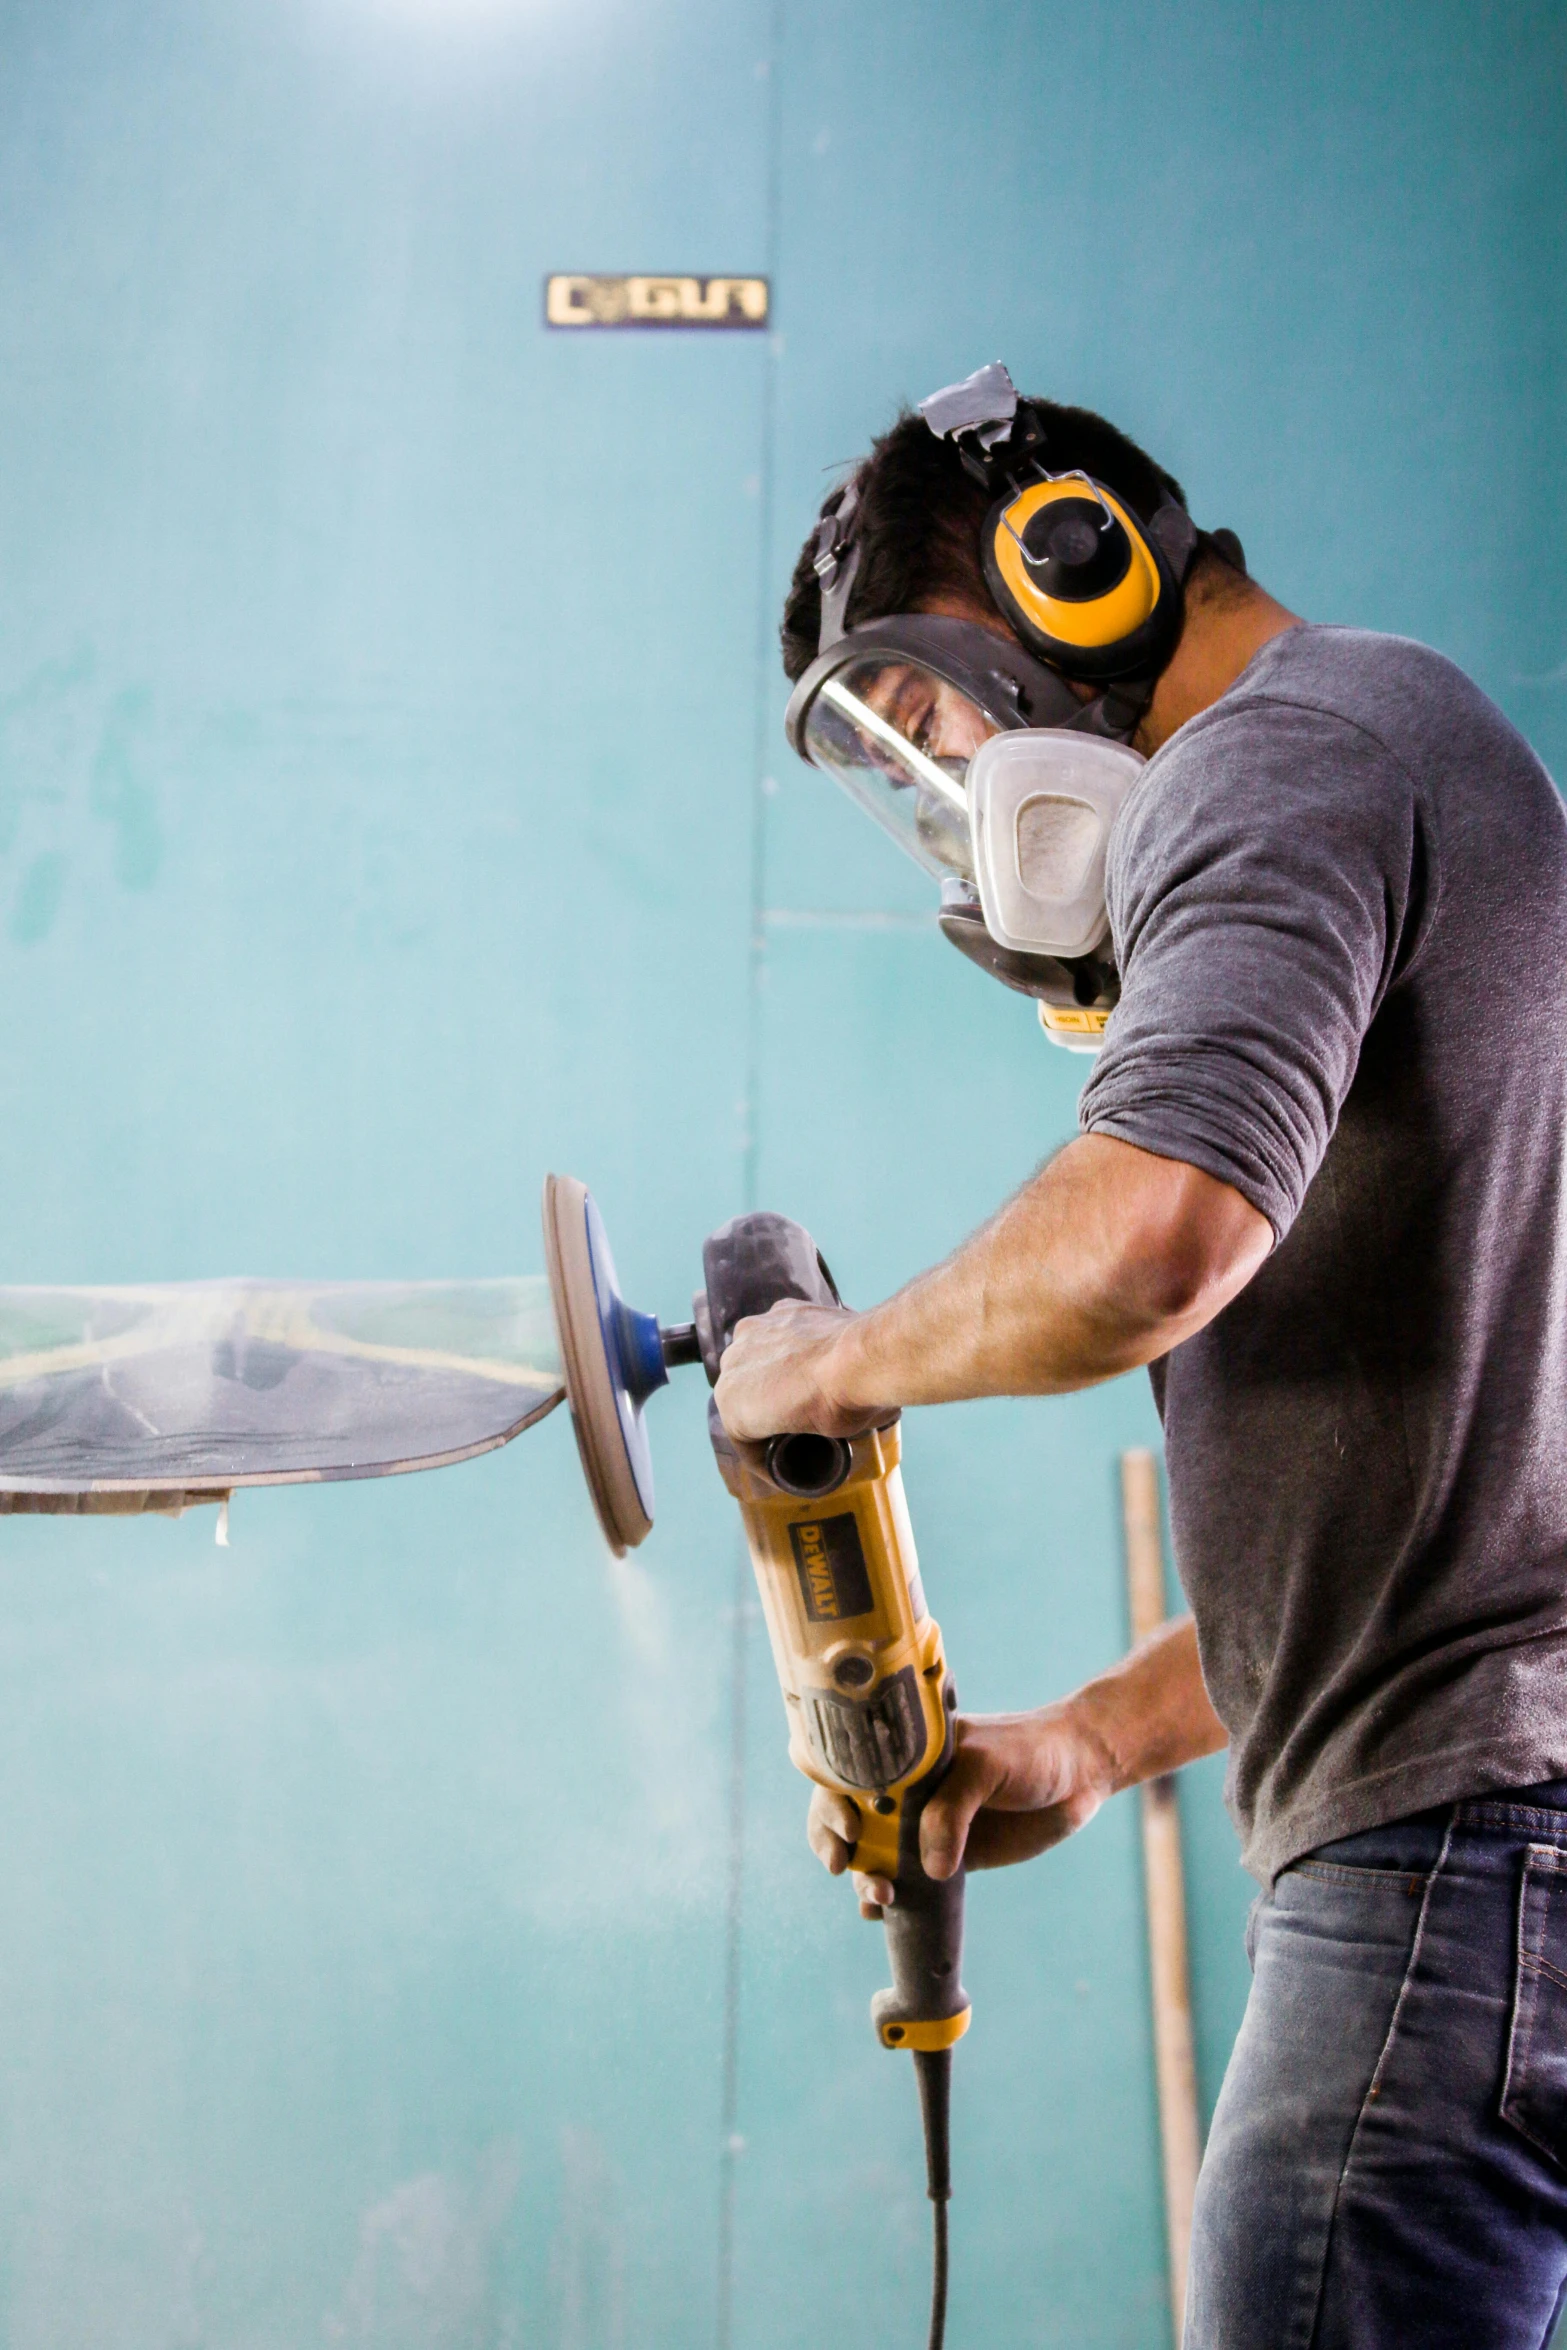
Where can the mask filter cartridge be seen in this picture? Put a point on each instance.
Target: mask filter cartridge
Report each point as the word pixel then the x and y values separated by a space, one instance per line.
pixel 1042 801
pixel 1056 842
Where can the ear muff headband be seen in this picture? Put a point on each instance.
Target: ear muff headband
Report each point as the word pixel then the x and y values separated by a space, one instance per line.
pixel 1092 589
pixel 1119 585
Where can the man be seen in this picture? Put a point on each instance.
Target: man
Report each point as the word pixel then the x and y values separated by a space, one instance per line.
pixel 1319 1192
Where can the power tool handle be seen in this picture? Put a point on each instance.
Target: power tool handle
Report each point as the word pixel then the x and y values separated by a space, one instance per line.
pixel 924 1928
pixel 925 1950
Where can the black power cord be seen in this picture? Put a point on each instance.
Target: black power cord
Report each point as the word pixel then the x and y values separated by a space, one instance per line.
pixel 938 2276
pixel 933 2070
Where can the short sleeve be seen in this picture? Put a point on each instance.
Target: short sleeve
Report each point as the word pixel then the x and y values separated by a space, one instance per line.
pixel 1262 883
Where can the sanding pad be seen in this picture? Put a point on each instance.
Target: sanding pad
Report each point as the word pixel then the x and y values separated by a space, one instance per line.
pixel 612 1359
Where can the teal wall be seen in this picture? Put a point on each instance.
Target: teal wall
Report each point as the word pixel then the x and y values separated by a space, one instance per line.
pixel 392 806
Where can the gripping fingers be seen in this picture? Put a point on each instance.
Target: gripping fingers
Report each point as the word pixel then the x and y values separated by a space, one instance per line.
pixel 876 1894
pixel 832 1829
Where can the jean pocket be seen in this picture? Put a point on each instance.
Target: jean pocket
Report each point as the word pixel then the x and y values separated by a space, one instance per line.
pixel 1534 2094
pixel 1253 1921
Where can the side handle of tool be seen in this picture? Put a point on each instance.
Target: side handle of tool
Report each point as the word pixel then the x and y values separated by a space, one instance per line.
pixel 927 2006
pixel 927 2010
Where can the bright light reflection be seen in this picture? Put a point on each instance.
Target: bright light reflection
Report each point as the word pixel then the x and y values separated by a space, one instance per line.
pixel 441 13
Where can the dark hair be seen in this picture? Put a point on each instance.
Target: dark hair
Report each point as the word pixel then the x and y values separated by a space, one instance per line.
pixel 919 517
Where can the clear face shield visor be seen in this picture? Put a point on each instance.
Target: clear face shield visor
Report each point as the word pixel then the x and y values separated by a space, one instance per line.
pixel 895 711
pixel 898 738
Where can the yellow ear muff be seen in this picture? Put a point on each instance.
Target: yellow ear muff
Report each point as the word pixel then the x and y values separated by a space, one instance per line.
pixel 1088 624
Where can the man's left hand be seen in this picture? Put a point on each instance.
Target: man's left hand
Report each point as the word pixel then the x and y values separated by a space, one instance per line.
pixel 776 1377
pixel 1018 1784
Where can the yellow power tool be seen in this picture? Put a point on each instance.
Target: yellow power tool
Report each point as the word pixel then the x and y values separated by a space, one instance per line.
pixel 860 1662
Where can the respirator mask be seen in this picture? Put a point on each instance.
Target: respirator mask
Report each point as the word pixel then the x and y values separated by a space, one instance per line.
pixel 968 746
pixel 974 758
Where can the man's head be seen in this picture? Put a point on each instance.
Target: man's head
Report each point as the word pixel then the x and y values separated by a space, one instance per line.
pixel 1003 596
pixel 919 526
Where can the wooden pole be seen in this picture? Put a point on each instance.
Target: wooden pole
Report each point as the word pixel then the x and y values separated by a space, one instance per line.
pixel 1174 2058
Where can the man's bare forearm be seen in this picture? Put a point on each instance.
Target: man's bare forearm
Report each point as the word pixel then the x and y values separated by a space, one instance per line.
pixel 1107 1259
pixel 1151 1712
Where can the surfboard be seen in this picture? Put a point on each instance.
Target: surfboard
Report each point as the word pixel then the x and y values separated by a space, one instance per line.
pixel 152 1397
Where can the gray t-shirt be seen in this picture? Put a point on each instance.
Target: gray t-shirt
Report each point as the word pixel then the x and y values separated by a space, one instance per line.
pixel 1339 904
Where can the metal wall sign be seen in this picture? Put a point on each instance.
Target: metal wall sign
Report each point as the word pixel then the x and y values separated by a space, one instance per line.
pixel 582 300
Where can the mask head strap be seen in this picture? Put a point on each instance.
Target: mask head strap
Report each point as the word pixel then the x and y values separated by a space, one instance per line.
pixel 1176 533
pixel 835 559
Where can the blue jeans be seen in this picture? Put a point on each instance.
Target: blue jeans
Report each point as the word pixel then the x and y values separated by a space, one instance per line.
pixel 1388 2159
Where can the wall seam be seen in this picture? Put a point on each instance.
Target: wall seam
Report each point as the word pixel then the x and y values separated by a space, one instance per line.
pixel 743 1609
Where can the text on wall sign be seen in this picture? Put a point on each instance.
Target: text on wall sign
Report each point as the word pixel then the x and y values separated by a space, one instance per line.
pixel 579 300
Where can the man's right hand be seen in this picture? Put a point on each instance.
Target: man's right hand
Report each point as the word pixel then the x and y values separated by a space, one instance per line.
pixel 1022 1782
pixel 1018 1784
